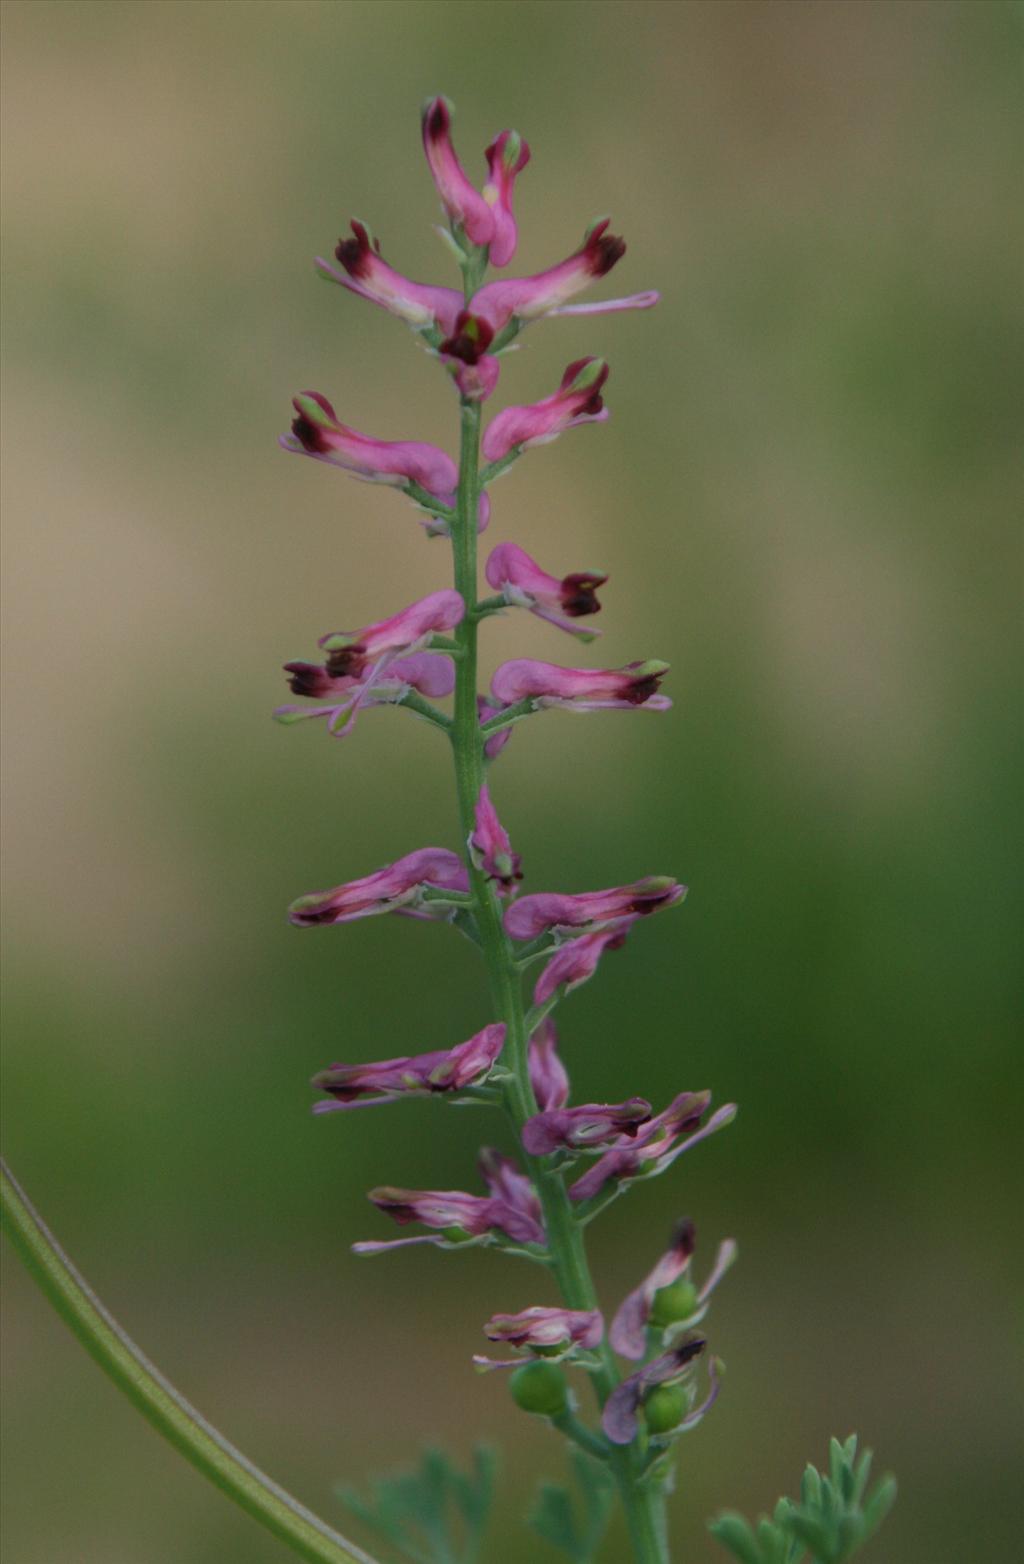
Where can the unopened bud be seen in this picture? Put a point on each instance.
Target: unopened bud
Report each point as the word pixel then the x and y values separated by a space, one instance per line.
pixel 674 1303
pixel 539 1388
pixel 665 1408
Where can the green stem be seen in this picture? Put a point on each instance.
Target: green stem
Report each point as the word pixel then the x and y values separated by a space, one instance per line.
pixel 157 1399
pixel 644 1505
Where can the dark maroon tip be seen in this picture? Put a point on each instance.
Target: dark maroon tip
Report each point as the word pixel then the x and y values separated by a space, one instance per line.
pixel 684 1239
pixel 643 689
pixel 308 435
pixel 603 252
pixel 307 679
pixel 647 904
pixel 579 594
pixel 354 254
pixel 470 340
pixel 346 661
pixel 436 121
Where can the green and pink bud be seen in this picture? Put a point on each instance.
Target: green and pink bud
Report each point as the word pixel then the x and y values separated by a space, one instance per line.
pixel 443 1071
pixel 490 848
pixel 535 915
pixel 523 584
pixel 578 400
pixel 413 886
pixel 507 156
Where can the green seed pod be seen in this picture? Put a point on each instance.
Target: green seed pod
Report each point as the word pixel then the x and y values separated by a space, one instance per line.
pixel 674 1303
pixel 539 1387
pixel 665 1408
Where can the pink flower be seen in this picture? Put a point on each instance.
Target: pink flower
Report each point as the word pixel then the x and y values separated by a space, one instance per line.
pixel 629 1327
pixel 422 1075
pixel 548 1333
pixel 425 472
pixel 507 156
pixel 523 584
pixel 509 1211
pixel 577 961
pixel 401 886
pixel 490 847
pixel 581 689
pixel 534 915
pixel 548 1075
pixel 380 684
pixel 350 651
pixel 594 1125
pixel 365 272
pixel 577 401
pixel 464 353
pixel 548 292
pixel 495 742
pixel 466 207
pixel 619 1419
pixel 656 1144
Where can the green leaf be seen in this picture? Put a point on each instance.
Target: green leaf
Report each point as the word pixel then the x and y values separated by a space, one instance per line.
pixel 436 1515
pixel 577 1530
pixel 734 1533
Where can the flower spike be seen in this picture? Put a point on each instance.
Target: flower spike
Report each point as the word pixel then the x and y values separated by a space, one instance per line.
pixel 578 400
pixel 491 849
pixel 399 887
pixel 466 207
pixel 531 916
pixel 445 1071
pixel 523 584
pixel 581 689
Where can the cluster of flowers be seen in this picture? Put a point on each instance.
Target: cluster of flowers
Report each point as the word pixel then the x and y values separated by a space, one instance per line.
pixel 407 660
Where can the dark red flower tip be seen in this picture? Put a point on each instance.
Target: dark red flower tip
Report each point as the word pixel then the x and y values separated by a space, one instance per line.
pixel 578 595
pixel 346 661
pixel 308 435
pixel 646 904
pixel 643 689
pixel 308 679
pixel 470 340
pixel 684 1238
pixel 436 119
pixel 354 254
pixel 603 250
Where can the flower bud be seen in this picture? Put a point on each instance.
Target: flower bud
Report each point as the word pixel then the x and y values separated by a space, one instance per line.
pixel 674 1303
pixel 665 1408
pixel 539 1388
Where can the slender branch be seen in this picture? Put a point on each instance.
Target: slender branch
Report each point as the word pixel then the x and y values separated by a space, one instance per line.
pixel 156 1398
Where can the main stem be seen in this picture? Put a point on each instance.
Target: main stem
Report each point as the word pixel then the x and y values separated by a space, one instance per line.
pixel 644 1504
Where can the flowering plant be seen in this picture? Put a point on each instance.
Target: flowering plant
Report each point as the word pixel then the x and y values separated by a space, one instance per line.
pixel 652 1371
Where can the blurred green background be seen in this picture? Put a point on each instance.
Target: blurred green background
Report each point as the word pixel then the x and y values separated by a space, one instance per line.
pixel 804 502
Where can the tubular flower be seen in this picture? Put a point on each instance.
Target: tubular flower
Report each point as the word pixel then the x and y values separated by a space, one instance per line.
pixel 350 651
pixel 507 156
pixel 464 204
pixel 535 915
pixel 548 1075
pixel 547 1333
pixel 578 400
pixel 495 742
pixel 581 689
pixel 590 1127
pixel 619 1419
pixel 317 432
pixel 578 959
pixel 464 353
pixel 380 684
pixel 656 1144
pixel 401 887
pixel 421 1075
pixel 523 584
pixel 491 849
pixel 549 292
pixel 365 272
pixel 687 1306
pixel 509 1211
